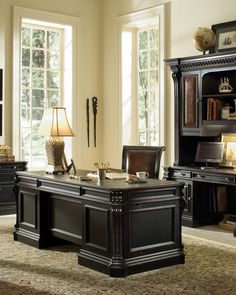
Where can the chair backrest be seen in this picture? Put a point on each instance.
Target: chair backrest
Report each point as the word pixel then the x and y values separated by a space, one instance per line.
pixel 142 158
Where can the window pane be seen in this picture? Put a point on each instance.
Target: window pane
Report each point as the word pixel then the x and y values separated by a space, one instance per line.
pixel 53 79
pixel 153 78
pixel 143 80
pixel 25 57
pixel 142 99
pixel 143 60
pixel 143 40
pixel 38 141
pixel 153 119
pixel 53 98
pixel 25 79
pixel 152 101
pixel 25 98
pixel 53 60
pixel 25 118
pixel 142 138
pixel 37 98
pixel 142 119
pixel 25 139
pixel 38 58
pixel 38 38
pixel 37 78
pixel 154 38
pixel 25 37
pixel 53 40
pixel 36 117
pixel 154 138
pixel 153 59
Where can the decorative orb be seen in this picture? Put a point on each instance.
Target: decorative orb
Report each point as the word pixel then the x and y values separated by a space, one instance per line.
pixel 204 39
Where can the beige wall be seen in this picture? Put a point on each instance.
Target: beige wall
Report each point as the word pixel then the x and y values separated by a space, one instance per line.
pixel 97 59
pixel 183 17
pixel 89 63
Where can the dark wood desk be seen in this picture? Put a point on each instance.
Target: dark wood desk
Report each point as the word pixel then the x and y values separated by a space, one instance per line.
pixel 120 228
pixel 200 186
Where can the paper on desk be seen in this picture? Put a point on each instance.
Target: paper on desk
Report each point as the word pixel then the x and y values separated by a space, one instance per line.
pixel 114 175
pixel 110 175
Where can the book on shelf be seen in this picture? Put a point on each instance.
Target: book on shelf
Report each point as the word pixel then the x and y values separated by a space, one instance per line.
pixel 213 108
pixel 6 158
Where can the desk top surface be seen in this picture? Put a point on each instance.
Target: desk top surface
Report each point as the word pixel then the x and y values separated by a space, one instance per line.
pixel 107 184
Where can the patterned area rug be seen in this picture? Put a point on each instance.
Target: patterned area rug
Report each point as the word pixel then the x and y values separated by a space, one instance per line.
pixel 209 269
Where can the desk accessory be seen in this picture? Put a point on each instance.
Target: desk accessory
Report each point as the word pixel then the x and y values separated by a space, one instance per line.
pixel 209 152
pixel 94 102
pixel 55 126
pixel 142 176
pixel 87 113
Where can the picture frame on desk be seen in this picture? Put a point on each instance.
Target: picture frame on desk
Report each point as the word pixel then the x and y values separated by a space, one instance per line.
pixel 225 37
pixel 226 138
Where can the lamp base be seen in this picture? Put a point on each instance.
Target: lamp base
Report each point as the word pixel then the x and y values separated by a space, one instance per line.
pixel 55 151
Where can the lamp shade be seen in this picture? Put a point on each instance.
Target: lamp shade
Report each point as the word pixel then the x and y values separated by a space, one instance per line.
pixel 55 123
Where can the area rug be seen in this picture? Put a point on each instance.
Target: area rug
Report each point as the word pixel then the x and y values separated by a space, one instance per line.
pixel 209 269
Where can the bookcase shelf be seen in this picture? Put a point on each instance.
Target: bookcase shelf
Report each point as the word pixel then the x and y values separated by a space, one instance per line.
pixel 219 122
pixel 220 95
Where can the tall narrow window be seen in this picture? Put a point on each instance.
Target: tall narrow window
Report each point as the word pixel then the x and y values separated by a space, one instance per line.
pixel 45 75
pixel 141 72
pixel 41 84
pixel 148 96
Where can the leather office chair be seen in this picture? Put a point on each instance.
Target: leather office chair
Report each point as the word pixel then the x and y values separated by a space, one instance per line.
pixel 142 158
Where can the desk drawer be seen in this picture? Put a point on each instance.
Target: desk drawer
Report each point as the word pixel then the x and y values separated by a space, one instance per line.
pixel 6 194
pixel 182 173
pixel 7 177
pixel 214 178
pixel 12 166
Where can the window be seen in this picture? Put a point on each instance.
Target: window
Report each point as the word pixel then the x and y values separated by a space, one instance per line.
pixel 40 87
pixel 148 96
pixel 141 74
pixel 45 67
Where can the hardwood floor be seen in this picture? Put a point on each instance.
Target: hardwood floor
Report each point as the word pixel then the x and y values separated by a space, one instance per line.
pixel 211 233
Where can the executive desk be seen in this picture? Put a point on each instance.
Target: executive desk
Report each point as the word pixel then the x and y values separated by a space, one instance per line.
pixel 201 192
pixel 120 228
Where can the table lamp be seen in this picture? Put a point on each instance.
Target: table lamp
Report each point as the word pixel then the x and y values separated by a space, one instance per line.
pixel 55 126
pixel 231 154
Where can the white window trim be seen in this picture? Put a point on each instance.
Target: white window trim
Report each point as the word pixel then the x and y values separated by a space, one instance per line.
pixel 57 19
pixel 127 21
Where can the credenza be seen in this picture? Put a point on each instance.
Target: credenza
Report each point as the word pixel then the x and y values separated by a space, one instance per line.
pixel 121 228
pixel 202 192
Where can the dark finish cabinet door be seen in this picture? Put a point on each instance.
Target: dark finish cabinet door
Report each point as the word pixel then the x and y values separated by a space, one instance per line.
pixel 190 102
pixel 7 182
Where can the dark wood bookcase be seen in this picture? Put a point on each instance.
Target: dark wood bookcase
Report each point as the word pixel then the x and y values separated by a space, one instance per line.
pixel 198 105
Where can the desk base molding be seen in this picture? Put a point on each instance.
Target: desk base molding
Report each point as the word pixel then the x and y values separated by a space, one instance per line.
pixel 124 267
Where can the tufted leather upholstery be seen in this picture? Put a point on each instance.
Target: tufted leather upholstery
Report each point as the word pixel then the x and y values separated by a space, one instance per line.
pixel 142 158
